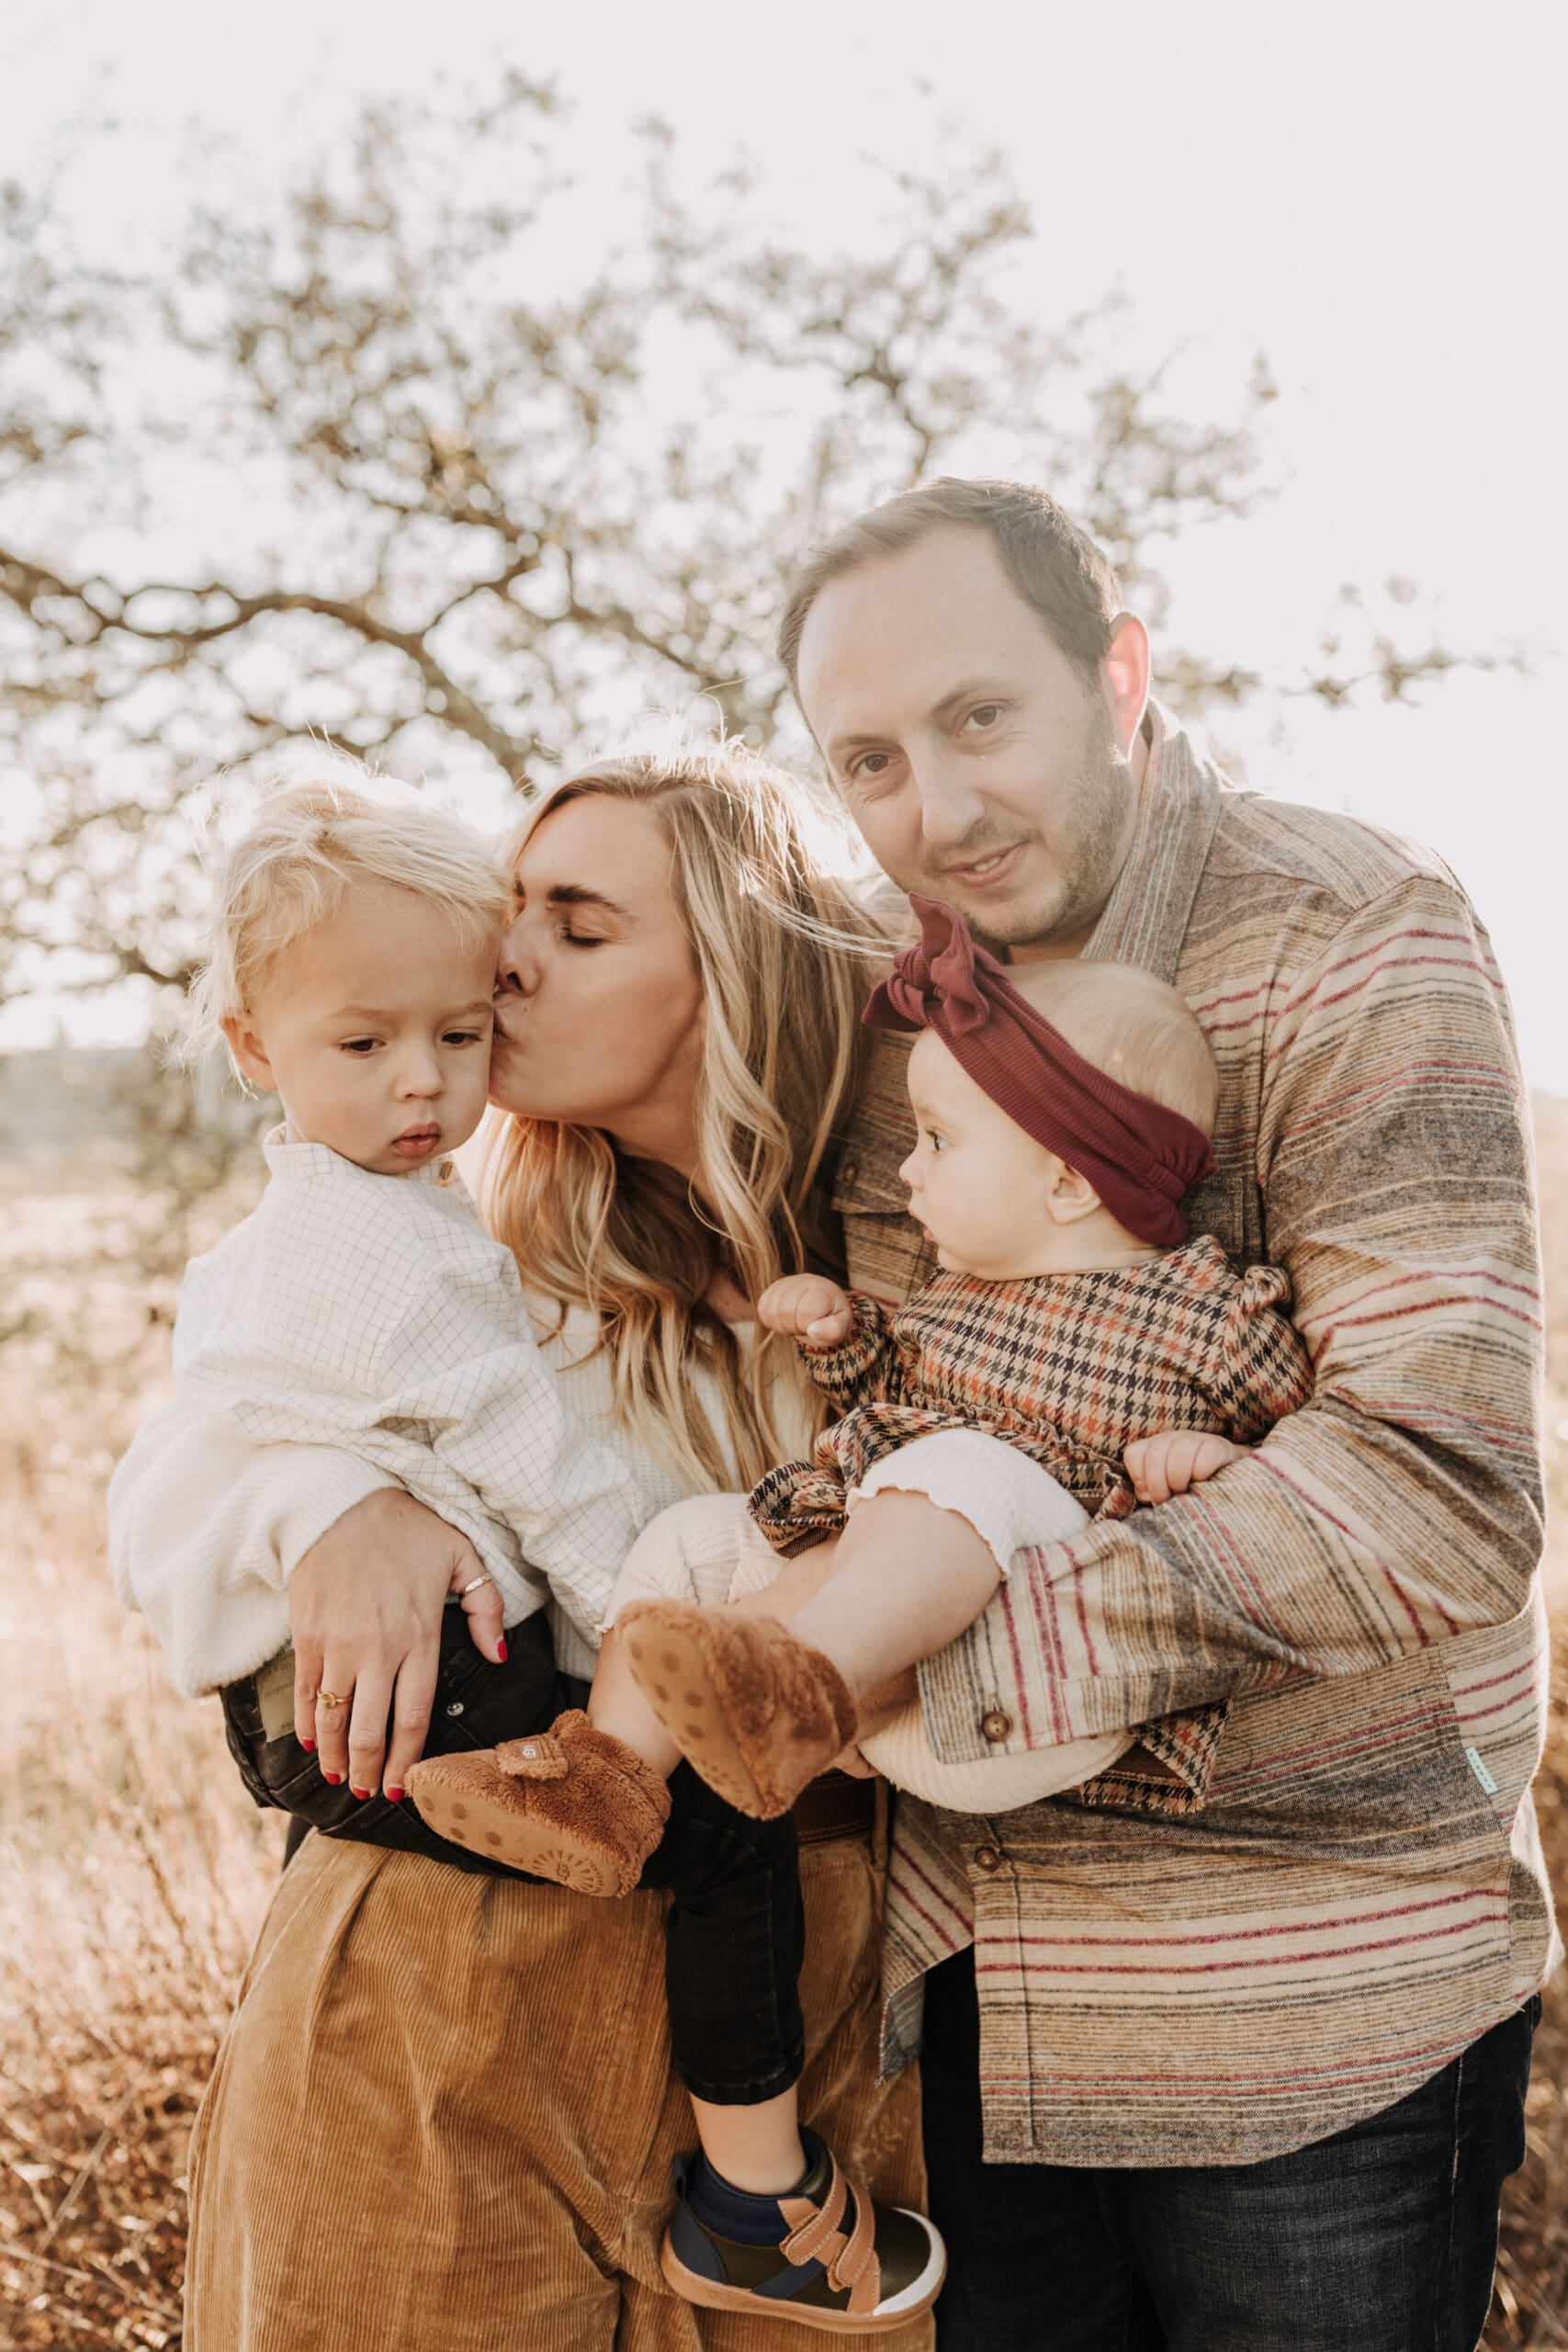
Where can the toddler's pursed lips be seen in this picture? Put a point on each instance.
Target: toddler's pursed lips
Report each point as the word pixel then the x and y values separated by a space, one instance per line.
pixel 415 1141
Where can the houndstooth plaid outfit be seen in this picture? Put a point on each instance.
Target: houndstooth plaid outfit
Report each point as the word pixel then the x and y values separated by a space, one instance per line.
pixel 1069 1368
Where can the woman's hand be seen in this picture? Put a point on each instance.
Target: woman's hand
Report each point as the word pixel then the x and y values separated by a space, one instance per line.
pixel 364 1608
pixel 807 1306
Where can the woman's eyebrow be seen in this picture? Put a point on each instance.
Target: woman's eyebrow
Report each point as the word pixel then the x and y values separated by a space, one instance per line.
pixel 577 894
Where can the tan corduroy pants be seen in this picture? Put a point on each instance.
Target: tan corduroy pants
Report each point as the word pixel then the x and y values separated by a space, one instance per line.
pixel 442 2119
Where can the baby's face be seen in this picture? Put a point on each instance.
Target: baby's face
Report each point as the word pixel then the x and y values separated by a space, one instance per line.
pixel 376 1032
pixel 977 1183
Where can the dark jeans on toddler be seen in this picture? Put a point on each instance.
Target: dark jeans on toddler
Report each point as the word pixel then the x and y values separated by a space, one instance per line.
pixel 735 1936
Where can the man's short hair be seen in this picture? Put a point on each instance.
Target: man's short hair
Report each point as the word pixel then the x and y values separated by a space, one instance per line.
pixel 1053 563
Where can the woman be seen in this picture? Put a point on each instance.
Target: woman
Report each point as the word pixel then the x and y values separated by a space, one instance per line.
pixel 443 2114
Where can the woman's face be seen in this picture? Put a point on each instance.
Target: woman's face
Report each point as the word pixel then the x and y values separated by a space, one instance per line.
pixel 599 1009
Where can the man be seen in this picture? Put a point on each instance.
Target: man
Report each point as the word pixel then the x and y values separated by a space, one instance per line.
pixel 1254 2012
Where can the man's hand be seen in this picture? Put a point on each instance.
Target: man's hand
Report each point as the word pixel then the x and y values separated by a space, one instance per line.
pixel 364 1608
pixel 807 1306
pixel 1175 1460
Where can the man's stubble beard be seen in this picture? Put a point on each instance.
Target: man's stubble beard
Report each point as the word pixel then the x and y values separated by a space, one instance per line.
pixel 1090 846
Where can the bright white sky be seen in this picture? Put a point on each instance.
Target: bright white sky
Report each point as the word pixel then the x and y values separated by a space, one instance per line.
pixel 1372 200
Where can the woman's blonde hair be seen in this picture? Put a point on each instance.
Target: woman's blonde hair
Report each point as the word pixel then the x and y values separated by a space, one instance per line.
pixel 783 953
pixel 304 846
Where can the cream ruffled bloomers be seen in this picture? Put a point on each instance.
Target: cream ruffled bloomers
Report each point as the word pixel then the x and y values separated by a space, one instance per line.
pixel 707 1550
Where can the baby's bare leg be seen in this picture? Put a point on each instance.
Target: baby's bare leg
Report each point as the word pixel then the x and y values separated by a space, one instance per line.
pixel 795 1584
pixel 907 1578
pixel 615 1705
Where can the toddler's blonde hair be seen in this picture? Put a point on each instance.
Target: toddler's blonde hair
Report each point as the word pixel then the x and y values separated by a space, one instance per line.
pixel 305 846
pixel 1130 1024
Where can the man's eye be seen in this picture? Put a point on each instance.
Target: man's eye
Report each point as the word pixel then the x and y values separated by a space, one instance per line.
pixel 984 715
pixel 869 766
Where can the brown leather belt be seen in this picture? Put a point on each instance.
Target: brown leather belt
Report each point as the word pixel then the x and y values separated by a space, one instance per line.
pixel 837 1805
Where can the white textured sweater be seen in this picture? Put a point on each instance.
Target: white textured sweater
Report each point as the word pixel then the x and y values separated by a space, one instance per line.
pixel 354 1332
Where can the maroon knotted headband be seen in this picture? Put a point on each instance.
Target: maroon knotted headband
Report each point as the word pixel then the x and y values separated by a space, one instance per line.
pixel 1139 1157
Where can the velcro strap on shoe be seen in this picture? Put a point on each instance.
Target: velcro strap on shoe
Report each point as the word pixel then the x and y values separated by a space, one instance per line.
pixel 856 2266
pixel 537 1758
pixel 815 2224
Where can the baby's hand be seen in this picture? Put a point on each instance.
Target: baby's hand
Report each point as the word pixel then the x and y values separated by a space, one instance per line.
pixel 807 1306
pixel 1174 1460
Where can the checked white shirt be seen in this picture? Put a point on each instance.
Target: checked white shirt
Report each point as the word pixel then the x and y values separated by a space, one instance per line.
pixel 375 1314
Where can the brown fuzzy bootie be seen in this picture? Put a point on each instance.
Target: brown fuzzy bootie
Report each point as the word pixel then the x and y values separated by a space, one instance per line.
pixel 572 1804
pixel 757 1712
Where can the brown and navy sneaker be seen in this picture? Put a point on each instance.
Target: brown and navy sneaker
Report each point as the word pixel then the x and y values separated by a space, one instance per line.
pixel 826 2256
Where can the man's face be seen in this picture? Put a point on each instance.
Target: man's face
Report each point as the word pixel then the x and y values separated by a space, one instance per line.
pixel 980 765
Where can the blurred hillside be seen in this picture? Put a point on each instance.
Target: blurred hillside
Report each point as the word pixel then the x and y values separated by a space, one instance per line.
pixel 65 1103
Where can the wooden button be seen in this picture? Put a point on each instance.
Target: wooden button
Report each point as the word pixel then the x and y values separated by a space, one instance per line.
pixel 995 1725
pixel 987 1858
pixel 445 1172
pixel 849 1175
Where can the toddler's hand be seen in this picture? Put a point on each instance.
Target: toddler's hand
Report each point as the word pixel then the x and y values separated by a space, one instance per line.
pixel 807 1306
pixel 1175 1460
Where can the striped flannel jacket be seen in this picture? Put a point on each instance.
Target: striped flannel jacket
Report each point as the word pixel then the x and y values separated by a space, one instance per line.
pixel 1358 1892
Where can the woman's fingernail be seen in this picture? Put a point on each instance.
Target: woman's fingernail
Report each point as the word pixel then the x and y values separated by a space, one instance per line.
pixel 308 1745
pixel 360 1793
pixel 333 1778
pixel 393 1796
pixel 501 1652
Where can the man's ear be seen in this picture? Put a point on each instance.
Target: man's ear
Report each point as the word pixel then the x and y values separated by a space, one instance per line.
pixel 1126 672
pixel 250 1054
pixel 1069 1198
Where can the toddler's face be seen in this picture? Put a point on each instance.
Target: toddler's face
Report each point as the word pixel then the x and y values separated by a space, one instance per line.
pixel 376 1030
pixel 977 1183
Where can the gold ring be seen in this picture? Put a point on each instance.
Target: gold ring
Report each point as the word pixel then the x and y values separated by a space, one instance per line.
pixel 472 1586
pixel 325 1699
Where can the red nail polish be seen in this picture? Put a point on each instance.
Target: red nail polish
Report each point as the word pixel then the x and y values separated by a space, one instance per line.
pixel 393 1796
pixel 360 1793
pixel 500 1651
pixel 333 1778
pixel 308 1745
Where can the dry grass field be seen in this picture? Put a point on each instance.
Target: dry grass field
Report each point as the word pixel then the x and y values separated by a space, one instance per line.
pixel 134 1870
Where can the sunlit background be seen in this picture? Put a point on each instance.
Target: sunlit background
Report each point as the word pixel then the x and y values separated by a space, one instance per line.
pixel 1369 205
pixel 456 383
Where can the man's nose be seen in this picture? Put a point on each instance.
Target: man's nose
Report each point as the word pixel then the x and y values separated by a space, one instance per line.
pixel 950 805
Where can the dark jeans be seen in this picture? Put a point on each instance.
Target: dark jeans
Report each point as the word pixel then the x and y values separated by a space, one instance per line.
pixel 1380 2239
pixel 736 1933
